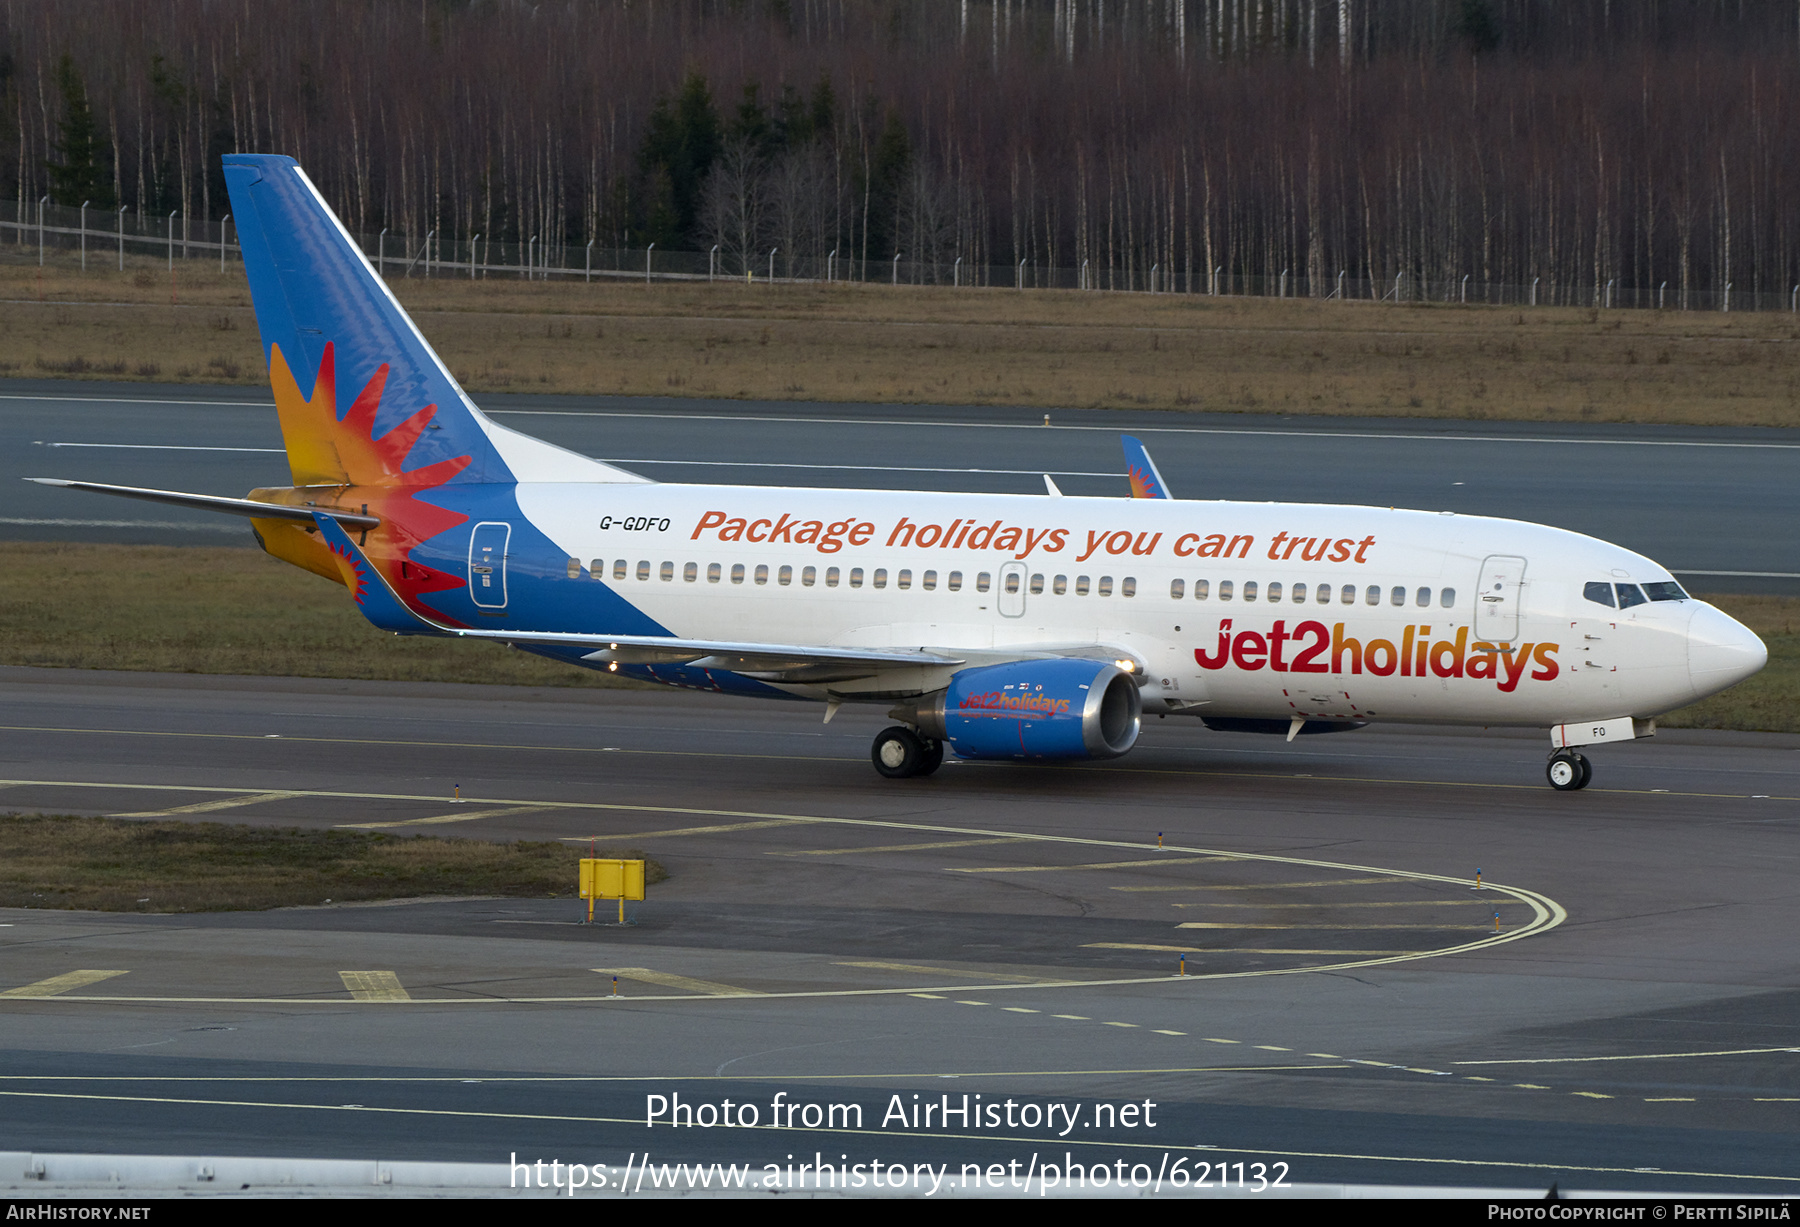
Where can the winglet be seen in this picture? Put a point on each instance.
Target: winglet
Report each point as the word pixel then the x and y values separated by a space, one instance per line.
pixel 374 597
pixel 1146 482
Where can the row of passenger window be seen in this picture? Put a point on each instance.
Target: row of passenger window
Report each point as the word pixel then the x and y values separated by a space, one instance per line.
pixel 903 578
pixel 1060 585
pixel 1631 594
pixel 1321 593
pixel 784 576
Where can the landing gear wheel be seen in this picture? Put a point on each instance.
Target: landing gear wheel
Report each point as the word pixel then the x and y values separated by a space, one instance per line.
pixel 1569 771
pixel 931 759
pixel 897 753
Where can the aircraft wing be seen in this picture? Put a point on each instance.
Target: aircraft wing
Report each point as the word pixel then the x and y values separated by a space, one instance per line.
pixel 788 662
pixel 1146 482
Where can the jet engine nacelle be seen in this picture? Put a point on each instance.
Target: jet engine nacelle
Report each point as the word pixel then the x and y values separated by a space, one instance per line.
pixel 1065 708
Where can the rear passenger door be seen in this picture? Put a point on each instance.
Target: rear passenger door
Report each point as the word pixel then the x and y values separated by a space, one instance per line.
pixel 487 564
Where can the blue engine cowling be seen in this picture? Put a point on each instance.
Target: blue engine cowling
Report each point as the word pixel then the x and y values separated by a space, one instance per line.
pixel 1067 708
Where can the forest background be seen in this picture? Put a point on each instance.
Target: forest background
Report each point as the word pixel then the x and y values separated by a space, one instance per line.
pixel 1580 142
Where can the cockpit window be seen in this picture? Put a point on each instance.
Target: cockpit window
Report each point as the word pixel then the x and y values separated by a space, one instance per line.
pixel 1665 592
pixel 1599 593
pixel 1629 595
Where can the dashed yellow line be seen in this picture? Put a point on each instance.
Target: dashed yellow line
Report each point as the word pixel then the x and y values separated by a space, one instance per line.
pixel 55 986
pixel 712 830
pixel 1636 1056
pixel 1309 928
pixel 1291 907
pixel 1270 885
pixel 922 970
pixel 947 843
pixel 1196 950
pixel 441 819
pixel 664 979
pixel 208 807
pixel 1169 860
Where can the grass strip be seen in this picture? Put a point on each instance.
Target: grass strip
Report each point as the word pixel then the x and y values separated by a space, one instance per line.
pixel 177 609
pixel 125 865
pixel 937 345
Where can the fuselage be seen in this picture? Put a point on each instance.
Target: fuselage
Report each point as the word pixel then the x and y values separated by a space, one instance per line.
pixel 1227 610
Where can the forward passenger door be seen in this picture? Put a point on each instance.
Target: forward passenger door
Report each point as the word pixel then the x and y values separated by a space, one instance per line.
pixel 1499 598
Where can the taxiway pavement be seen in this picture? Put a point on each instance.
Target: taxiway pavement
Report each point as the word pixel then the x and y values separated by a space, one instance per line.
pixel 830 937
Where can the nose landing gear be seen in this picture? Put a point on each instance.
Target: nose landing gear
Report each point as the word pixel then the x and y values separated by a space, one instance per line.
pixel 1569 771
pixel 899 752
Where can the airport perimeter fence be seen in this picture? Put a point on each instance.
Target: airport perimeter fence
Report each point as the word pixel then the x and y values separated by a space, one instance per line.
pixel 105 237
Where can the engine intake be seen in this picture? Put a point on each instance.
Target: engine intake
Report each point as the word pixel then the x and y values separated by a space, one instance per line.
pixel 1042 709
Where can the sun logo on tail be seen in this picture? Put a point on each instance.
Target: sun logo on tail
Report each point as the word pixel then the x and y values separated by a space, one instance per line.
pixel 1143 483
pixel 364 470
pixel 353 567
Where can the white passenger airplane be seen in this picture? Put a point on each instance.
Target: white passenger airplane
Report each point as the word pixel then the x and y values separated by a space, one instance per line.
pixel 999 626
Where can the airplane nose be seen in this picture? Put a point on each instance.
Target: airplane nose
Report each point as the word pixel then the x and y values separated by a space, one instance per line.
pixel 1721 651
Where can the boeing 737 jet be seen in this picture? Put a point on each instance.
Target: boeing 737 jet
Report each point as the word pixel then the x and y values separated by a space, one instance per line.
pixel 1018 627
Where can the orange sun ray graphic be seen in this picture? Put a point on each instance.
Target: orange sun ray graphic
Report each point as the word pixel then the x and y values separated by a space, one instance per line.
pixel 365 470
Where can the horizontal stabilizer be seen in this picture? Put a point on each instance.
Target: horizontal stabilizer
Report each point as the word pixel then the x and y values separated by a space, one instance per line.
pixel 212 502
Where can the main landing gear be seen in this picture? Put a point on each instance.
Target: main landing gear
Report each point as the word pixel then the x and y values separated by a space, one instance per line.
pixel 1569 771
pixel 899 752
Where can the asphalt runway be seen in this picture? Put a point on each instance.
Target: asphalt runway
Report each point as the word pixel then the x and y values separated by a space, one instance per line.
pixel 1717 506
pixel 828 938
